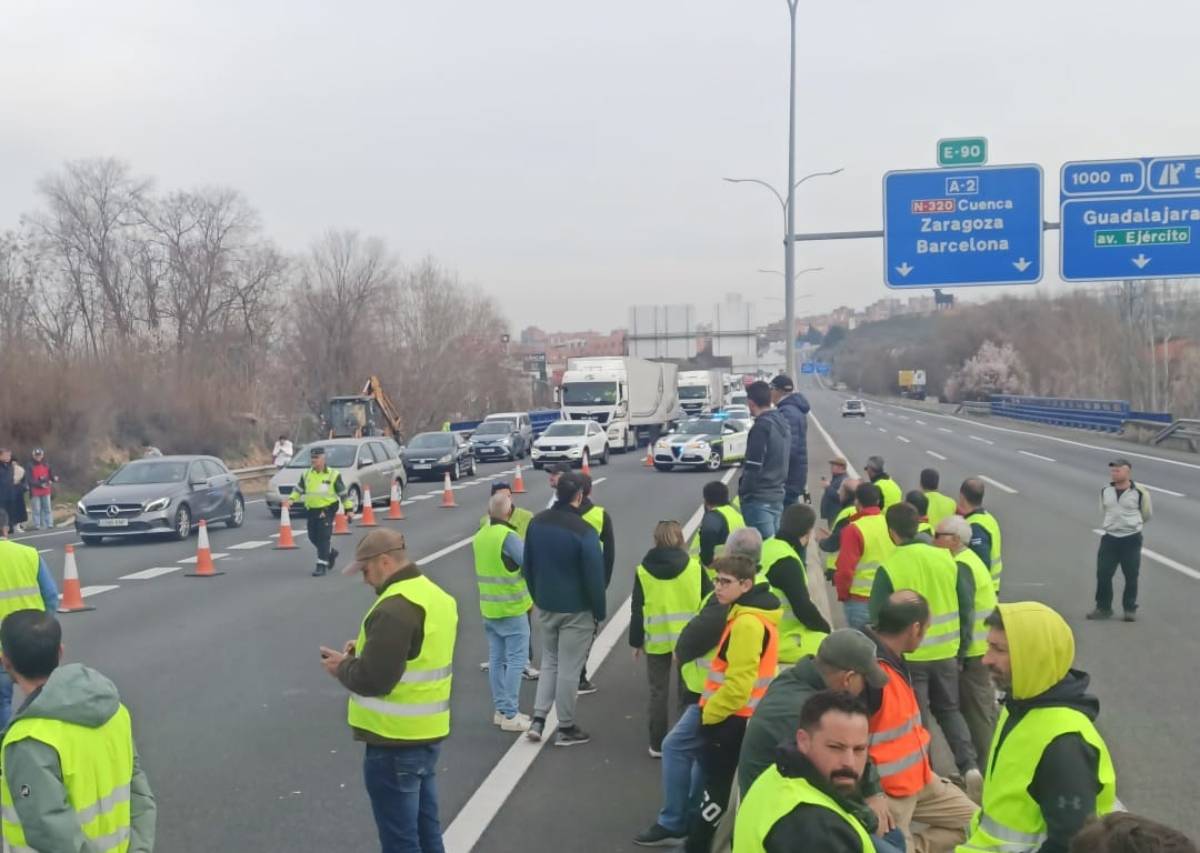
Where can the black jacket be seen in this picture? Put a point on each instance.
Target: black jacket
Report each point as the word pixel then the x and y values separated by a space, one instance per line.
pixel 1066 782
pixel 607 542
pixel 564 566
pixel 831 504
pixel 790 577
pixel 664 564
pixel 808 827
pixel 714 530
pixel 794 409
pixel 981 540
pixel 765 468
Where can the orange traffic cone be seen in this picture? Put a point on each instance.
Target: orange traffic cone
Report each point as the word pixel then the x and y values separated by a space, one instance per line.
pixel 585 468
pixel 649 463
pixel 368 511
pixel 395 511
pixel 448 494
pixel 341 524
pixel 518 482
pixel 204 560
pixel 72 597
pixel 285 541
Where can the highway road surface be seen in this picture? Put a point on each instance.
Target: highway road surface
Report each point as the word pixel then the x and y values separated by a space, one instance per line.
pixel 244 736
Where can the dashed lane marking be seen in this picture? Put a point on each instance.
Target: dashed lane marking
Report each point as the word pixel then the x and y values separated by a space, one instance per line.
pixel 189 560
pixel 944 429
pixel 998 485
pixel 936 455
pixel 97 590
pixel 902 438
pixel 983 440
pixel 1036 456
pixel 147 574
pixel 1166 561
pixel 248 546
pixel 881 429
pixel 919 421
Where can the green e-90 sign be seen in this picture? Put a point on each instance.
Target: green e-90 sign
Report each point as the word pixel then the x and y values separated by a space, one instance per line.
pixel 971 151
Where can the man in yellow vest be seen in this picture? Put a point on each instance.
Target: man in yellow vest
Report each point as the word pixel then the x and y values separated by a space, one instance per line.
pixel 803 801
pixel 600 521
pixel 519 521
pixel 864 545
pixel 802 627
pixel 916 499
pixel 829 541
pixel 719 520
pixel 504 603
pixel 985 529
pixel 1049 770
pixel 976 695
pixel 940 506
pixel 398 672
pixel 71 775
pixel 889 490
pixel 25 584
pixel 321 488
pixel 950 591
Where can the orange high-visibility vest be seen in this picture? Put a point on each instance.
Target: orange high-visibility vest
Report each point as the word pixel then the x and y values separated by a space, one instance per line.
pixel 899 743
pixel 768 665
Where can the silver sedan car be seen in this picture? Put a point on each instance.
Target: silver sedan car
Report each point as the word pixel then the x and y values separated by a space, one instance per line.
pixel 162 496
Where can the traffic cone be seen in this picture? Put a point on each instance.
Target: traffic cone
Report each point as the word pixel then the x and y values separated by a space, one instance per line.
pixel 585 468
pixel 72 597
pixel 285 541
pixel 204 560
pixel 448 494
pixel 395 512
pixel 368 511
pixel 341 524
pixel 649 463
pixel 518 482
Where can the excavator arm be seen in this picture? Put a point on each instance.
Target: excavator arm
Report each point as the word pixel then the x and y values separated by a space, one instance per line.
pixel 374 389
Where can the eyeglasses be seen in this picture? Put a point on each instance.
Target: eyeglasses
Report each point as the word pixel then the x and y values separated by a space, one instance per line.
pixel 722 580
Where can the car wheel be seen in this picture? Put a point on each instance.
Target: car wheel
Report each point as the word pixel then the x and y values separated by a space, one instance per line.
pixel 604 455
pixel 662 466
pixel 714 461
pixel 183 523
pixel 355 500
pixel 399 486
pixel 239 513
pixel 474 466
pixel 455 471
pixel 91 540
pixel 275 513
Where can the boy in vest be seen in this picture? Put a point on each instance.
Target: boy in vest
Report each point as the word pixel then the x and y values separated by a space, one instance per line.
pixel 1049 769
pixel 25 584
pixel 864 545
pixel 900 743
pixel 399 674
pixel 802 627
pixel 1126 508
pixel 746 659
pixel 985 530
pixel 940 506
pixel 719 520
pixel 69 751
pixel 504 603
pixel 803 801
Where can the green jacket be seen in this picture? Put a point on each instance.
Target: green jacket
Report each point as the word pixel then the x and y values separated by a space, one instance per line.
pixel 75 694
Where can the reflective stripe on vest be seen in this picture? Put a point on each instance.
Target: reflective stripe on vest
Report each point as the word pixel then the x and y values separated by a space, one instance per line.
pixel 899 743
pixel 985 599
pixel 1011 820
pixel 791 630
pixel 595 517
pixel 418 707
pixel 501 593
pixel 933 573
pixel 97 769
pixel 320 489
pixel 768 665
pixel 19 580
pixel 877 547
pixel 831 559
pixel 988 522
pixel 771 798
pixel 668 605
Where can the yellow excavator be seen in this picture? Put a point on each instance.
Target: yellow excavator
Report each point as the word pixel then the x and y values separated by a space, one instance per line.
pixel 371 412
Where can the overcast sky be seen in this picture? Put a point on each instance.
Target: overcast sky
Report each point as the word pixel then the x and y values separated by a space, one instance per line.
pixel 567 156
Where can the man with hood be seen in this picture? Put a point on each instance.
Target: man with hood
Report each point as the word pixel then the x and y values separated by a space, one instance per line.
pixel 1050 769
pixel 793 406
pixel 71 776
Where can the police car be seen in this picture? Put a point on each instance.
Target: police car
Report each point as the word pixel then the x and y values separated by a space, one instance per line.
pixel 705 443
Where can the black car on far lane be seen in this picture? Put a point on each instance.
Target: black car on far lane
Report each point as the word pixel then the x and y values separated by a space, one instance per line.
pixel 432 454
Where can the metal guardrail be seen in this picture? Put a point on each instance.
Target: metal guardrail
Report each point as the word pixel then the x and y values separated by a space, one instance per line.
pixel 255 473
pixel 1099 415
pixel 1187 429
pixel 973 408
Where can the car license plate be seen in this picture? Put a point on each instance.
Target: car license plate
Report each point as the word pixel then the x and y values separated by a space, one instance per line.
pixel 422 466
pixel 113 522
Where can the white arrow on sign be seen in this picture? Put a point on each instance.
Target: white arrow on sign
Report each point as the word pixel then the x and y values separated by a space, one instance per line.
pixel 904 269
pixel 1021 264
pixel 1140 261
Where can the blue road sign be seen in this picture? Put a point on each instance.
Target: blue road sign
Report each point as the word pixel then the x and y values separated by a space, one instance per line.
pixel 1137 218
pixel 808 367
pixel 968 226
pixel 823 368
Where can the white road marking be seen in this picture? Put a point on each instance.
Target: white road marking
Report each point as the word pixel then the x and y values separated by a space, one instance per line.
pixel 189 560
pixel 943 429
pixel 48 550
pixel 473 820
pixel 902 438
pixel 97 590
pixel 865 421
pixel 437 555
pixel 1166 561
pixel 1036 456
pixel 247 546
pixel 904 417
pixel 147 574
pixel 984 440
pixel 62 532
pixel 1164 491
pixel 256 501
pixel 919 421
pixel 881 429
pixel 598 481
pixel 936 455
pixel 998 485
pixel 837 451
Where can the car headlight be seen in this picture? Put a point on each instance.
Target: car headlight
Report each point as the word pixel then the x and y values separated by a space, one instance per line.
pixel 662 444
pixel 575 451
pixel 80 508
pixel 156 505
pixel 445 460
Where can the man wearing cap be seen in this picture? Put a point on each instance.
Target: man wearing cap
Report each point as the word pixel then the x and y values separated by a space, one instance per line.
pixel 831 499
pixel 321 488
pixel 398 672
pixel 555 470
pixel 41 480
pixel 1126 508
pixel 794 407
pixel 889 489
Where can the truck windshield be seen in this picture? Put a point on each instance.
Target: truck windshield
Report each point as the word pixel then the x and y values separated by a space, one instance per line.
pixel 693 392
pixel 589 394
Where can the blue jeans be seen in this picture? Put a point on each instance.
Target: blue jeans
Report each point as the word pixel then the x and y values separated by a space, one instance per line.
pixel 43 515
pixel 6 691
pixel 508 651
pixel 858 613
pixel 682 779
pixel 892 842
pixel 400 782
pixel 763 517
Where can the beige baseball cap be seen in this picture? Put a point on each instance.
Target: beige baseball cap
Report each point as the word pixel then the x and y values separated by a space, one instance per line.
pixel 381 541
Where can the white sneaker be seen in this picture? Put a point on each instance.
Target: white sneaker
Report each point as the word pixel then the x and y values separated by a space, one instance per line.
pixel 530 673
pixel 485 666
pixel 654 753
pixel 497 718
pixel 516 723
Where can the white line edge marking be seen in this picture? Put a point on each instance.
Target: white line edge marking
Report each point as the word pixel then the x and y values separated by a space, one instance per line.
pixel 147 574
pixel 477 814
pixel 944 429
pixel 249 544
pixel 87 591
pixel 998 484
pixel 1166 561
pixel 1164 491
pixel 984 440
pixel 936 455
pixel 1043 458
pixel 902 438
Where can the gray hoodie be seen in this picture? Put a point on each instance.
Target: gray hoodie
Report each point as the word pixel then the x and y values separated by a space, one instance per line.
pixel 75 694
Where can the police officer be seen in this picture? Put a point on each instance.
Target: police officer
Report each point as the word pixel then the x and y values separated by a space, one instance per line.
pixel 321 488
